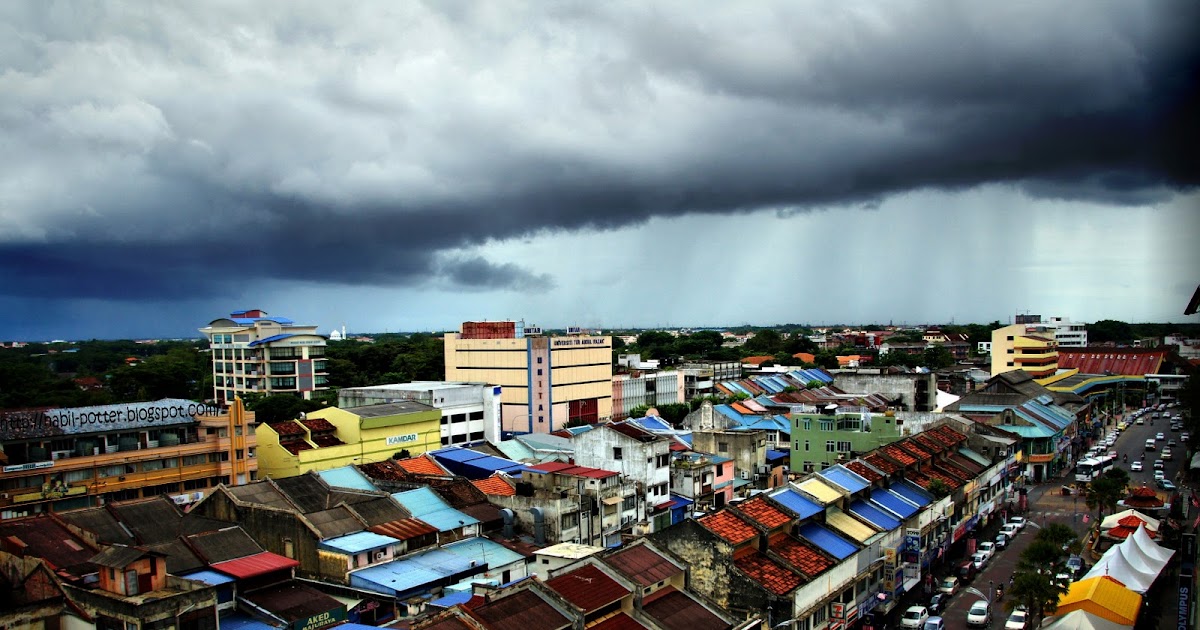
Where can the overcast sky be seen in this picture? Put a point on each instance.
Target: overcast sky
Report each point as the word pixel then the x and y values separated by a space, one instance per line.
pixel 407 166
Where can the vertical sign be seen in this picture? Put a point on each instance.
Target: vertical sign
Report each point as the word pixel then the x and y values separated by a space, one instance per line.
pixel 1187 567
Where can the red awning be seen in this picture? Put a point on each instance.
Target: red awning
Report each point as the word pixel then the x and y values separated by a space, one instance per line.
pixel 252 566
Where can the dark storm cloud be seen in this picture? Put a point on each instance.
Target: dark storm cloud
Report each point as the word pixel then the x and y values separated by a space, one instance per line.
pixel 178 151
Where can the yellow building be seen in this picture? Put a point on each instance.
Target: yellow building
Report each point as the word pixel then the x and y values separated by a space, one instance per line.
pixel 61 459
pixel 1029 347
pixel 546 381
pixel 334 437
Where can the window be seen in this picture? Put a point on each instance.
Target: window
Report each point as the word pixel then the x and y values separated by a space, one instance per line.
pixel 630 502
pixel 289 550
pixel 808 424
pixel 458 417
pixel 844 447
pixel 539 360
pixel 722 447
pixel 662 461
pixel 475 415
pixel 617 452
pixel 826 425
pixel 1010 351
pixel 539 371
pixel 240 454
pixel 830 446
pixel 807 445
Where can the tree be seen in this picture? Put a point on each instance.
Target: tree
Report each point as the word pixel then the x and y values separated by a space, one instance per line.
pixel 1061 537
pixel 639 411
pixel 938 488
pixel 1104 491
pixel 1037 592
pixel 1112 330
pixel 279 407
pixel 937 357
pixel 765 341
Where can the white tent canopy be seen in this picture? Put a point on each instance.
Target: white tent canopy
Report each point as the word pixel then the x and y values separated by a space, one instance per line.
pixel 1114 565
pixel 1150 548
pixel 1112 520
pixel 1139 559
pixel 1082 620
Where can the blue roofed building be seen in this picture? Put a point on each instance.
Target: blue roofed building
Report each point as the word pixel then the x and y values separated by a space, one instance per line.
pixel 425 505
pixel 416 574
pixel 362 549
pixel 474 464
pixel 503 564
pixel 253 352
pixel 347 477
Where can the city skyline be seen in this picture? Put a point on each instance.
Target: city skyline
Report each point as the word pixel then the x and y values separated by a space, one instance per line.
pixel 410 167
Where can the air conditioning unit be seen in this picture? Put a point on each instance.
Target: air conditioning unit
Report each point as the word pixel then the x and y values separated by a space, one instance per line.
pixel 59 454
pixel 764 469
pixel 745 474
pixel 380 555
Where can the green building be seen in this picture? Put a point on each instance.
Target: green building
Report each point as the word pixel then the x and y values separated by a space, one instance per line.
pixel 820 440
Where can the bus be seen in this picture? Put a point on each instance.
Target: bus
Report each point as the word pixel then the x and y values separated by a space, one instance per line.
pixel 1088 469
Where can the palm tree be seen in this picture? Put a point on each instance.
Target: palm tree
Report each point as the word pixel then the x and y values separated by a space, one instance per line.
pixel 1104 491
pixel 1061 536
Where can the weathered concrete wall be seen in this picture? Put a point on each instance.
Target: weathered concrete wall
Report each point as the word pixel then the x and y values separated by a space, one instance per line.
pixel 891 386
pixel 270 528
pixel 710 568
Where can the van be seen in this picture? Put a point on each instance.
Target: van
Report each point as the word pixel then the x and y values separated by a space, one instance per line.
pixel 966 571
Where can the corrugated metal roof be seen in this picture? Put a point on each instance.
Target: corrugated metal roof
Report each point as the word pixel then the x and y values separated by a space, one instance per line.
pixel 213 578
pixel 800 505
pixel 258 564
pixel 642 564
pixel 522 610
pixel 845 478
pixel 673 609
pixel 410 573
pixel 827 541
pixel 347 477
pixel 271 339
pixel 405 529
pixel 355 543
pixel 893 503
pixel 912 493
pixel 874 515
pixel 588 588
pixel 819 491
pixel 571 469
pixel 484 551
pixel 425 504
pixel 847 525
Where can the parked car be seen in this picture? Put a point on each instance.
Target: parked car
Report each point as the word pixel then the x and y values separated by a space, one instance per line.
pixel 1019 521
pixel 937 603
pixel 987 547
pixel 979 559
pixel 1136 466
pixel 966 571
pixel 948 585
pixel 914 617
pixel 1183 437
pixel 935 623
pixel 1010 530
pixel 1017 620
pixel 1166 484
pixel 980 615
pixel 1001 541
pixel 1141 421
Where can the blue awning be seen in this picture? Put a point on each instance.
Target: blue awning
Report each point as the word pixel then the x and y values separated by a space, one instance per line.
pixel 893 502
pixel 912 493
pixel 794 501
pixel 874 515
pixel 827 541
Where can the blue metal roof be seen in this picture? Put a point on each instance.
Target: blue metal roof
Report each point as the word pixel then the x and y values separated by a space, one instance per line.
pixel 356 543
pixel 457 454
pixel 768 384
pixel 347 477
pixel 844 477
pixel 484 552
pixel 893 502
pixel 653 424
pixel 728 412
pixel 686 438
pixel 259 342
pixel 475 465
pixel 827 541
pixel 913 493
pixel 874 515
pixel 212 578
pixel 680 500
pixel 452 599
pixel 240 621
pixel 773 454
pixel 419 571
pixel 425 504
pixel 794 501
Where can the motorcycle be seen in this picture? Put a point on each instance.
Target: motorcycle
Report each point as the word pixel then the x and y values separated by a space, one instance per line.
pixel 999 592
pixel 1126 458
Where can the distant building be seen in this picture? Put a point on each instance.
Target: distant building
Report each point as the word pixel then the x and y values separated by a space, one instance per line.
pixel 635 453
pixel 1028 347
pixel 256 353
pixel 470 411
pixel 59 459
pixel 547 381
pixel 645 390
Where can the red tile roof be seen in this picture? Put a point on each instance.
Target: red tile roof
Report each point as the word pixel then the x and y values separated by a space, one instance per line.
pixel 642 564
pixel 897 454
pixel 326 440
pixel 421 465
pixel 1121 361
pixel 769 574
pixel 800 555
pixel 766 514
pixel 672 609
pixel 563 468
pixel 728 526
pixel 297 446
pixel 318 424
pixel 878 461
pixel 913 447
pixel 255 565
pixel 953 482
pixel 495 486
pixel 918 478
pixel 946 435
pixel 758 360
pixel 619 621
pixel 864 470
pixel 951 468
pixel 928 443
pixel 287 428
pixel 588 588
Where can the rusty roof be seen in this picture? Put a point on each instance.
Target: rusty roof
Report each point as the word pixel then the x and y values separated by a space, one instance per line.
pixel 966 464
pixel 764 513
pixel 619 621
pixel 288 427
pixel 522 610
pixel 802 556
pixel 642 564
pixel 42 536
pixel 588 588
pixel 404 529
pixel 914 448
pixel 769 574
pixel 728 526
pixel 928 443
pixel 864 471
pixel 673 609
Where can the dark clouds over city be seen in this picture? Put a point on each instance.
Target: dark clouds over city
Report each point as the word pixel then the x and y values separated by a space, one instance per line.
pixel 406 166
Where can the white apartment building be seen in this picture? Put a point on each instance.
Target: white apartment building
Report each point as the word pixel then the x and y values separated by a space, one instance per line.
pixel 253 352
pixel 1067 333
pixel 635 453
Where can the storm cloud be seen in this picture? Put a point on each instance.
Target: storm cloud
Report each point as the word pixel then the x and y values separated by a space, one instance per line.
pixel 153 151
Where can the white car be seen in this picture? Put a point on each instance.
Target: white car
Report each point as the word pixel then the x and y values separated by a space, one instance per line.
pixel 1159 475
pixel 1019 521
pixel 1010 530
pixel 986 547
pixel 980 615
pixel 979 559
pixel 1158 437
pixel 1136 466
pixel 914 617
pixel 1017 620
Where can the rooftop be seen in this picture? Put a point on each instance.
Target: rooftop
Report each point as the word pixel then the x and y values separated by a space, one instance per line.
pixel 588 588
pixel 728 527
pixel 642 564
pixel 673 609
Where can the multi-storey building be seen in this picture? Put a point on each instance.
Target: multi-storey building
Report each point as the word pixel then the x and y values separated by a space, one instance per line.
pixel 59 459
pixel 1069 334
pixel 1028 347
pixel 254 352
pixel 548 381
pixel 637 454
pixel 470 411
pixel 838 435
pixel 647 389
